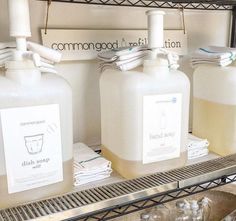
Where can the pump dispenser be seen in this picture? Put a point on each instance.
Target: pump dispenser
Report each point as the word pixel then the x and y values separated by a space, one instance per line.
pixel 35 123
pixel 144 114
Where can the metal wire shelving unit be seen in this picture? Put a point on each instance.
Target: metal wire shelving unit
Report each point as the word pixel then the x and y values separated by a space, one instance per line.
pixel 118 199
pixel 185 4
pixel 174 4
pixel 114 200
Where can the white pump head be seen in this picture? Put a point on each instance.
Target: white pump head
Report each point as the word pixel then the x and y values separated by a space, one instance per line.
pixel 155 29
pixel 19 22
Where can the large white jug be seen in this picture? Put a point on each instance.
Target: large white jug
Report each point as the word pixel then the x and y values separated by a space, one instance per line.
pixel 144 118
pixel 214 107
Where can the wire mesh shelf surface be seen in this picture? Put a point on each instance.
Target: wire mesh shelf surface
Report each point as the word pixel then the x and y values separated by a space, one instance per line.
pixel 117 199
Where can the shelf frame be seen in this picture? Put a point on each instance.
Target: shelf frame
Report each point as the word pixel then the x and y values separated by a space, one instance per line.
pixel 158 199
pixel 197 5
pixel 145 197
pixel 114 200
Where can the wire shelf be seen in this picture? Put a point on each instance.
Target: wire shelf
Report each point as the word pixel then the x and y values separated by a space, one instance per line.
pixel 175 4
pixel 118 199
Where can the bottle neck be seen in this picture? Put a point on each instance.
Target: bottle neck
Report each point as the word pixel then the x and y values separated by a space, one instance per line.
pixel 157 67
pixel 158 71
pixel 24 73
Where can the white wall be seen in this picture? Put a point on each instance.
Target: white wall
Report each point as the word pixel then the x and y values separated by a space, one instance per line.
pixel 203 27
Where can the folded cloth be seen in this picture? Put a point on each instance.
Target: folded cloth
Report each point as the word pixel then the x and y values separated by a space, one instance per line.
pixel 122 53
pixel 4 45
pixel 122 65
pixel 221 56
pixel 92 178
pixel 6 50
pixel 44 58
pixel 196 142
pixel 127 58
pixel 88 165
pixel 222 63
pixel 197 147
pixel 196 153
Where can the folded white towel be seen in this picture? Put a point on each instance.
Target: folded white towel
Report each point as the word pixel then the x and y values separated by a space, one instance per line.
pixel 4 45
pixel 88 165
pixel 221 56
pixel 197 147
pixel 196 153
pixel 196 142
pixel 122 65
pixel 6 50
pixel 44 58
pixel 128 58
pixel 123 59
pixel 122 53
pixel 80 180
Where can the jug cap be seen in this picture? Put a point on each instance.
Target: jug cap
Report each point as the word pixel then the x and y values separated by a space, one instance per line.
pixel 155 12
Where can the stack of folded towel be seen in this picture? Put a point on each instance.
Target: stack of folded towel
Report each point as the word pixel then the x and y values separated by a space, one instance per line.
pixel 123 59
pixel 128 58
pixel 197 147
pixel 88 165
pixel 44 58
pixel 220 56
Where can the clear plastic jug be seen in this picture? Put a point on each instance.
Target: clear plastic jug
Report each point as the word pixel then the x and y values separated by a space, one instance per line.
pixel 144 118
pixel 22 88
pixel 214 107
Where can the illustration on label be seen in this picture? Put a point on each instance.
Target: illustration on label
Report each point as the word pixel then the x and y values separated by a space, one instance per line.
pixel 161 127
pixel 34 143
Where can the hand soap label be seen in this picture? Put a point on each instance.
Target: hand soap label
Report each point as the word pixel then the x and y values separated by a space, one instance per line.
pixel 161 127
pixel 32 146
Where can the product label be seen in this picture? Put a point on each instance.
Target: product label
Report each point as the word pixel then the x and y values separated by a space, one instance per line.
pixel 161 127
pixel 32 146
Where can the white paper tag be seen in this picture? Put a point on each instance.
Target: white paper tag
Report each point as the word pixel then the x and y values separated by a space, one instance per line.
pixel 32 146
pixel 161 127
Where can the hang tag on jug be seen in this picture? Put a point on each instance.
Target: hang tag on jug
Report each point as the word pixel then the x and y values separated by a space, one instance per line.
pixel 32 146
pixel 161 127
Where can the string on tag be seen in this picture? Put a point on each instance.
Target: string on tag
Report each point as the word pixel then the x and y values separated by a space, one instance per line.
pixel 47 16
pixel 183 19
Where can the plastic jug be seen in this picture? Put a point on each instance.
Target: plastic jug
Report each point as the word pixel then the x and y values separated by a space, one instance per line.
pixel 36 157
pixel 39 91
pixel 214 107
pixel 144 117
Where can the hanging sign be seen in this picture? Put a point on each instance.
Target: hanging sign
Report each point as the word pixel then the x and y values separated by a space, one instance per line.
pixel 86 44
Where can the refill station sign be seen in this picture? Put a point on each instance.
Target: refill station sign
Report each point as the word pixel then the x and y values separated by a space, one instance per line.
pixel 86 44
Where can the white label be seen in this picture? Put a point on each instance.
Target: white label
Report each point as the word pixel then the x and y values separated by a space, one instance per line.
pixel 161 127
pixel 32 146
pixel 86 44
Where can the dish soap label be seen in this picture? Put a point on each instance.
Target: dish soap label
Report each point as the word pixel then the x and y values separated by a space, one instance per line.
pixel 161 127
pixel 32 146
